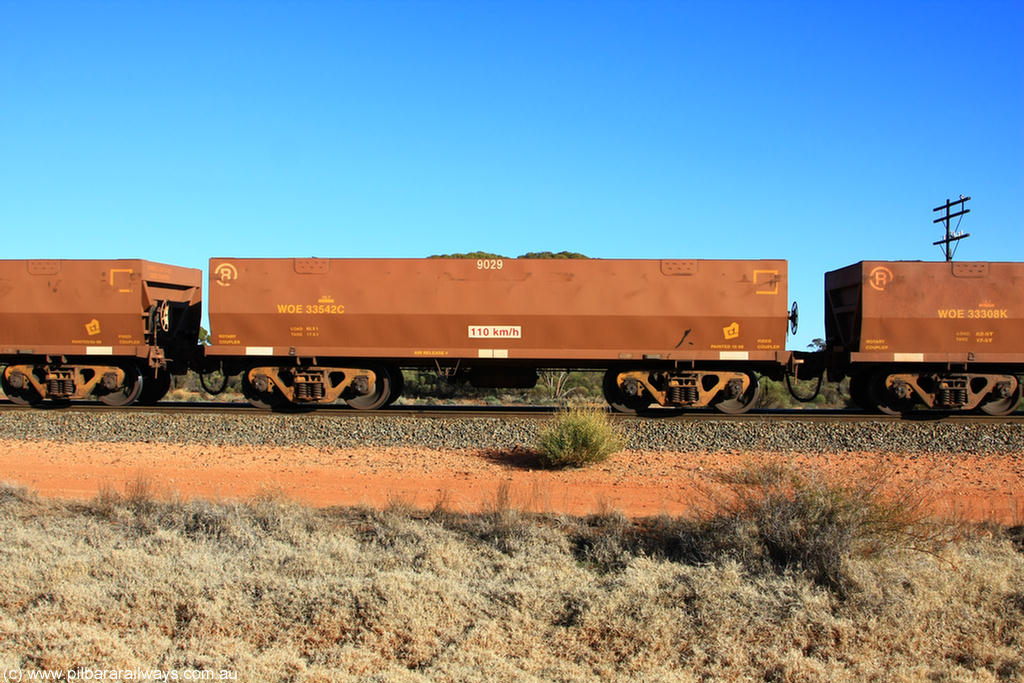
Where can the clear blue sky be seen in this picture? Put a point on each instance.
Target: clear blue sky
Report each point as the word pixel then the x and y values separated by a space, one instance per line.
pixel 820 132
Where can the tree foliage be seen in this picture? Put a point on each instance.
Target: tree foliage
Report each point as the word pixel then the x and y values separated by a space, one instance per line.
pixel 469 255
pixel 554 255
pixel 531 254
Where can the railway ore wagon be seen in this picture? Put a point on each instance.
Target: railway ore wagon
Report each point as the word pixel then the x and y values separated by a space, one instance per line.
pixel 671 332
pixel 939 335
pixel 113 329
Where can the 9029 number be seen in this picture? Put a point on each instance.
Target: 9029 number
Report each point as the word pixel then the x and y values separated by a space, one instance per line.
pixel 489 264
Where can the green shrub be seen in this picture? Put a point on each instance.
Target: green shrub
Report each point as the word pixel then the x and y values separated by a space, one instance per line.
pixel 577 437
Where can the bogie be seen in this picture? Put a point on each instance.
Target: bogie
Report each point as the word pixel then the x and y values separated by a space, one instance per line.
pixel 728 391
pixel 57 384
pixel 281 387
pixel 902 389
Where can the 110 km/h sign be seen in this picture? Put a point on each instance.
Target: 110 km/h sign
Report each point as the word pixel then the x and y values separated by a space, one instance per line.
pixel 495 332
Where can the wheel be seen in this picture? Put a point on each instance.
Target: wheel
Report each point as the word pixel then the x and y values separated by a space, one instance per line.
pixel 25 395
pixel 617 398
pixel 397 385
pixel 1003 406
pixel 378 396
pixel 881 396
pixel 128 393
pixel 860 391
pixel 154 388
pixel 744 402
pixel 268 399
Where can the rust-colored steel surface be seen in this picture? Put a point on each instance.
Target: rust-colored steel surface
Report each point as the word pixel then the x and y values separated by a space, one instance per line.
pixel 92 308
pixel 913 311
pixel 555 310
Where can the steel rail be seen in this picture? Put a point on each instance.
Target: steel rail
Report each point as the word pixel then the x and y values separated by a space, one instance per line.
pixel 528 412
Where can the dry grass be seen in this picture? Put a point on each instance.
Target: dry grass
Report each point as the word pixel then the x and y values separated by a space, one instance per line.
pixel 777 517
pixel 279 592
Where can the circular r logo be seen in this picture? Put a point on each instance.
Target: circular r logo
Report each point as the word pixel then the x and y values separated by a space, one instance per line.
pixel 225 273
pixel 879 277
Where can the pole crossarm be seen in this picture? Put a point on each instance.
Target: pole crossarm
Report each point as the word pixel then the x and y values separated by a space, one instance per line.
pixel 950 238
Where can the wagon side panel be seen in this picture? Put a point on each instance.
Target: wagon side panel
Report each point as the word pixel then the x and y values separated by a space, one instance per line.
pixel 86 307
pixel 527 309
pixel 960 310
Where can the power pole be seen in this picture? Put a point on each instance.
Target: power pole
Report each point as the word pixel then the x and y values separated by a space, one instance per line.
pixel 947 243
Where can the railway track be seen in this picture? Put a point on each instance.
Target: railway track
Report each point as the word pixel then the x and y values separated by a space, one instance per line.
pixel 520 412
pixel 509 429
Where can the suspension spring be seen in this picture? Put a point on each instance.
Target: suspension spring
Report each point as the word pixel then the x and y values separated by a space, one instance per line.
pixel 956 396
pixel 60 388
pixel 686 394
pixel 309 391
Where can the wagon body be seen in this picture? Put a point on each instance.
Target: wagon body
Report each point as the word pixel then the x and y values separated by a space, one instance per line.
pixel 545 312
pixel 110 329
pixel 97 308
pixel 930 312
pixel 941 336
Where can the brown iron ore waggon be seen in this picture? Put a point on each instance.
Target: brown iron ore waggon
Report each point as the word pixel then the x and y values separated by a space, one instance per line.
pixel 667 332
pixel 911 334
pixel 686 333
pixel 115 329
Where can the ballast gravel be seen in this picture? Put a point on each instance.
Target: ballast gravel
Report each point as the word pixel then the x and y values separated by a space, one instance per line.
pixel 340 431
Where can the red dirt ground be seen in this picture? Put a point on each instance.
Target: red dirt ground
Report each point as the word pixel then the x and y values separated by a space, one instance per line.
pixel 637 483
